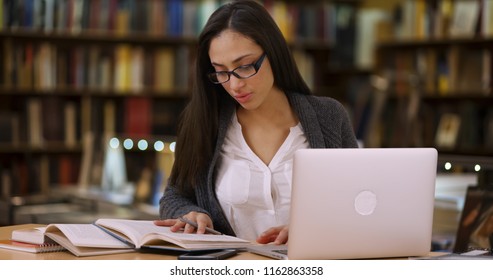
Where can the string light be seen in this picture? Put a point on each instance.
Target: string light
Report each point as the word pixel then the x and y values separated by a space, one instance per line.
pixel 448 166
pixel 142 145
pixel 128 144
pixel 114 143
pixel 159 146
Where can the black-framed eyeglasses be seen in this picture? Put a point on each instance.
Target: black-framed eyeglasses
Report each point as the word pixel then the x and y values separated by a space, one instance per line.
pixel 240 72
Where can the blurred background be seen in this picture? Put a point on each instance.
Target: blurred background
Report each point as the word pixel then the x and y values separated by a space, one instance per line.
pixel 91 91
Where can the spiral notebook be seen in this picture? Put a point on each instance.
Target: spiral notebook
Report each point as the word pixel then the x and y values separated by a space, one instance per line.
pixel 30 247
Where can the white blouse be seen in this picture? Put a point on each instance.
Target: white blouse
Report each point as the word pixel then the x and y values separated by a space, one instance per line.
pixel 255 196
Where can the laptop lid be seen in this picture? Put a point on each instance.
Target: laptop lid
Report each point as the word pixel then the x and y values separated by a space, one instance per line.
pixel 362 203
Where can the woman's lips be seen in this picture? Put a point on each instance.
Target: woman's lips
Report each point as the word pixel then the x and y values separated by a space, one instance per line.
pixel 244 97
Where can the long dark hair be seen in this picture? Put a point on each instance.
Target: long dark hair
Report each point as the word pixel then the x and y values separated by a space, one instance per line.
pixel 198 127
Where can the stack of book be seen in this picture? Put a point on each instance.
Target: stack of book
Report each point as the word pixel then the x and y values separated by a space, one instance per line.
pixel 31 241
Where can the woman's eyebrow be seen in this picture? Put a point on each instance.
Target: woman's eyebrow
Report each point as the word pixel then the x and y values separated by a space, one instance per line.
pixel 234 61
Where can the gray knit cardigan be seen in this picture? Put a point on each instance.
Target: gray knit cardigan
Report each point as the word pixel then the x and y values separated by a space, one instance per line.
pixel 325 123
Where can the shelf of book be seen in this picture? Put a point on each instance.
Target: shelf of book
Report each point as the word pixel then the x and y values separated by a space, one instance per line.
pixel 75 73
pixel 437 79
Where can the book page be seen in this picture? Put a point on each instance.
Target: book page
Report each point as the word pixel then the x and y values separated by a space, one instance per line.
pixel 61 239
pixel 129 229
pixel 87 235
pixel 139 230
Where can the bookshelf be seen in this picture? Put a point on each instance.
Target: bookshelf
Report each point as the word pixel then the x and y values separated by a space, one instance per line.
pixel 75 73
pixel 437 64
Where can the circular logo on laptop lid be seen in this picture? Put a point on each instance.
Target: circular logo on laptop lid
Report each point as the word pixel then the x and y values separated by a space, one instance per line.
pixel 365 203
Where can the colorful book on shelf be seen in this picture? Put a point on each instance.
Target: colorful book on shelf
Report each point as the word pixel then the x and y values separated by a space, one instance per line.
pixel 112 10
pixel 154 21
pixel 67 170
pixel 29 247
pixel 28 11
pixel 164 75
pixel 487 18
pixel 174 17
pixel 49 15
pixel 111 236
pixel 123 71
pixel 122 18
pixel 465 18
pixel 448 130
pixel 190 19
pixel 138 118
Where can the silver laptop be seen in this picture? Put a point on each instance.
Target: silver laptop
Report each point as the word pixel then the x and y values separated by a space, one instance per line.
pixel 360 203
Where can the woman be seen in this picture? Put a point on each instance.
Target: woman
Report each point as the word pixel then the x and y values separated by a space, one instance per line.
pixel 249 111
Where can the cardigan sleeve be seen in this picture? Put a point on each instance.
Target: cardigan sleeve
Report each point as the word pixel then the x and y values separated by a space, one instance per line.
pixel 173 204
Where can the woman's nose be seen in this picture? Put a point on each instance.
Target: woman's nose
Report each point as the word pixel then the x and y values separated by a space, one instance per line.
pixel 236 83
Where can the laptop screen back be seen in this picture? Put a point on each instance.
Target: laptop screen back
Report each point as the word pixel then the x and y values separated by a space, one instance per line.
pixel 362 203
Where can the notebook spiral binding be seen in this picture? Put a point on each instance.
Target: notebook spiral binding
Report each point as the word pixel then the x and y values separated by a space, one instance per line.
pixel 50 247
pixel 30 247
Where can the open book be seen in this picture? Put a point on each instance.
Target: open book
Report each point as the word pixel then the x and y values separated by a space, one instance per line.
pixel 144 233
pixel 111 236
pixel 85 240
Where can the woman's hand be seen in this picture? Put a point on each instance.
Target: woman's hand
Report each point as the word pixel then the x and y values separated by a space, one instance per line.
pixel 276 235
pixel 202 220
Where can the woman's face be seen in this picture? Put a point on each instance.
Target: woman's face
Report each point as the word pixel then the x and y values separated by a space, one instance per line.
pixel 230 50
